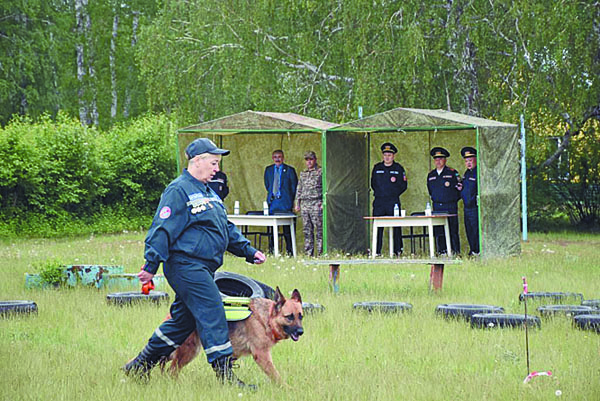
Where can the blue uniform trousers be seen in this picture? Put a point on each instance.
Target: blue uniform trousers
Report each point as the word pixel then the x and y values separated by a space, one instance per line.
pixel 440 237
pixel 197 306
pixel 472 228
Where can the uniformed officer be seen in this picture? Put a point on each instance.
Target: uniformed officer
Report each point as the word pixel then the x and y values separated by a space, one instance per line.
pixel 189 235
pixel 309 202
pixel 443 184
pixel 219 184
pixel 388 181
pixel 469 197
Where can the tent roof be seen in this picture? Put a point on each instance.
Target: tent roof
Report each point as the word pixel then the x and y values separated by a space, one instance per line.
pixel 404 117
pixel 261 121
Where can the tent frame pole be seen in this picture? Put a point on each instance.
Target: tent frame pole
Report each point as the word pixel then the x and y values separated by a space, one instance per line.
pixel 523 179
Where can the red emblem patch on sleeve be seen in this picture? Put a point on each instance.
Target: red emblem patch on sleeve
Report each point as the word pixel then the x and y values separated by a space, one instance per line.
pixel 165 212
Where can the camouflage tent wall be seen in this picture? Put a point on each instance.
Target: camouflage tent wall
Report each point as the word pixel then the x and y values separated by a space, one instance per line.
pixel 415 132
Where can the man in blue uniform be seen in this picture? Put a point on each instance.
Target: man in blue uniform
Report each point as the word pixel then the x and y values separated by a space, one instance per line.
pixel 219 184
pixel 281 182
pixel 388 181
pixel 443 184
pixel 189 235
pixel 469 197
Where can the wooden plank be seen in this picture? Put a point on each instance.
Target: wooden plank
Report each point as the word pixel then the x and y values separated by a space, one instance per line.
pixel 436 277
pixel 382 262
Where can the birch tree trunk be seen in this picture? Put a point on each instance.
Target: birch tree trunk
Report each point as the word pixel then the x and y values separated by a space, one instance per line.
pixel 83 110
pixel 462 52
pixel 113 67
pixel 91 70
pixel 127 103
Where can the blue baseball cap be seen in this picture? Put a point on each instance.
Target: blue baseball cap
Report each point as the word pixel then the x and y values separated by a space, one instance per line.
pixel 203 145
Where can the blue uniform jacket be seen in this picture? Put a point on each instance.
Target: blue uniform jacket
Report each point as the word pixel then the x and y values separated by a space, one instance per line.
pixel 191 225
pixel 469 191
pixel 388 182
pixel 442 188
pixel 288 184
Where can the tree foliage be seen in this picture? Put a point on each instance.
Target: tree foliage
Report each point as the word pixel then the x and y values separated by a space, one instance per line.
pixel 201 59
pixel 58 168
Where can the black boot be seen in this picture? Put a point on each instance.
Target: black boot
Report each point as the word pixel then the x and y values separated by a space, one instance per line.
pixel 223 367
pixel 141 365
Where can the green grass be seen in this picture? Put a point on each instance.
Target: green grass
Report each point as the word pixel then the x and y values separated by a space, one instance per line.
pixel 74 347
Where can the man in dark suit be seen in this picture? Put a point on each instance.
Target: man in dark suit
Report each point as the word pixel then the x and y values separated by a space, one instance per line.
pixel 281 182
pixel 444 185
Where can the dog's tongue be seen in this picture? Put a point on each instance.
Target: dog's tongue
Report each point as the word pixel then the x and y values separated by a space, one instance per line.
pixel 294 337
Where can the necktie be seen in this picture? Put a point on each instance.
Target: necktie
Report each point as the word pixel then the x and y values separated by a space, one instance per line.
pixel 276 182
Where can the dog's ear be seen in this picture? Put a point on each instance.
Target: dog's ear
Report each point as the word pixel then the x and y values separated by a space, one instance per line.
pixel 296 295
pixel 279 299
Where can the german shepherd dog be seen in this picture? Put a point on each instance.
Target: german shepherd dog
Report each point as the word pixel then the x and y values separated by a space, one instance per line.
pixel 270 322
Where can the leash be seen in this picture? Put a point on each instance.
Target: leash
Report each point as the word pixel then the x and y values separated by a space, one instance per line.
pixel 149 286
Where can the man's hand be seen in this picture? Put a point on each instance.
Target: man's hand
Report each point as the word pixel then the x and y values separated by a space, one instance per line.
pixel 145 277
pixel 259 258
pixel 297 208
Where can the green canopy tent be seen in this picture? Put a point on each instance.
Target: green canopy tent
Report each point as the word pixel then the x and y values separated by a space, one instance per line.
pixel 252 136
pixel 351 149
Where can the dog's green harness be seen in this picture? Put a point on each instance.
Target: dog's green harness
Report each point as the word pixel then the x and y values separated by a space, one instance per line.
pixel 236 308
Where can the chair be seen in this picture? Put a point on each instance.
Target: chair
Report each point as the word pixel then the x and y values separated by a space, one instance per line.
pixel 257 235
pixel 414 236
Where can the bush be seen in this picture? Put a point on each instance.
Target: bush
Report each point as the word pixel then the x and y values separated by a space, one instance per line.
pixel 52 272
pixel 60 178
pixel 142 162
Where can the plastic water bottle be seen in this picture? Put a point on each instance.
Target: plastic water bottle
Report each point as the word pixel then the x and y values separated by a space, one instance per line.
pixel 236 207
pixel 396 210
pixel 428 209
pixel 265 208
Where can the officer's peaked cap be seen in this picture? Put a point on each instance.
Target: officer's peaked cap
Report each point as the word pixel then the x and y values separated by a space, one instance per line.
pixel 389 147
pixel 438 152
pixel 468 151
pixel 203 145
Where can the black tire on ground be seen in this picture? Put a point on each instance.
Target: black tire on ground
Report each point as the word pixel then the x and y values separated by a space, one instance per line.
pixel 307 307
pixel 568 310
pixel 490 320
pixel 8 308
pixel 594 303
pixel 238 285
pixel 383 306
pixel 587 322
pixel 129 298
pixel 466 310
pixel 556 297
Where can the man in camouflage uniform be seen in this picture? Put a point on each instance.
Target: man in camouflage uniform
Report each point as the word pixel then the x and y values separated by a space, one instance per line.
pixel 309 203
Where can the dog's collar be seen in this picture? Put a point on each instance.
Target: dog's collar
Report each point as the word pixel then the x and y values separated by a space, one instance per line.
pixel 274 333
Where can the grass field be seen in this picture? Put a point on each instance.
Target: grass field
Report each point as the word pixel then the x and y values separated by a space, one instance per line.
pixel 74 348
